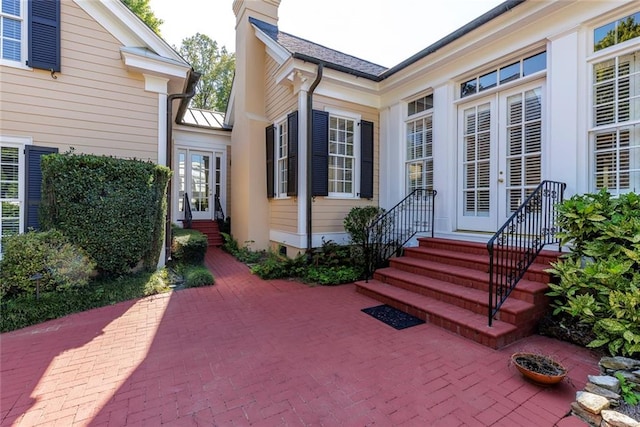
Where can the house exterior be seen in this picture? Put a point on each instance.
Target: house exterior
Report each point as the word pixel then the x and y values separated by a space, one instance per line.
pixel 529 91
pixel 89 76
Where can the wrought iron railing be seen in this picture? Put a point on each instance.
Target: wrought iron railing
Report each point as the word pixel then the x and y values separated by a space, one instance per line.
pixel 518 242
pixel 391 231
pixel 218 213
pixel 188 216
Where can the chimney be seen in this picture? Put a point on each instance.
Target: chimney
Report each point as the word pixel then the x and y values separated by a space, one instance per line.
pixel 264 10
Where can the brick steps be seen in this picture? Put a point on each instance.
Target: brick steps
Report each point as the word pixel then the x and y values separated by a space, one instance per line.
pixel 210 229
pixel 446 282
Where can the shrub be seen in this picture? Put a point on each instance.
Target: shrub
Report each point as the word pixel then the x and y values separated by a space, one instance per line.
pixel 243 254
pixel 326 275
pixel 107 206
pixel 275 266
pixel 600 279
pixel 48 253
pixel 196 276
pixel 188 246
pixel 365 238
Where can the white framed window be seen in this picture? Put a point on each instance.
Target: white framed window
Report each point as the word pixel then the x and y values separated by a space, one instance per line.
pixel 11 186
pixel 615 32
pixel 13 32
pixel 419 144
pixel 281 156
pixel 615 132
pixel 343 155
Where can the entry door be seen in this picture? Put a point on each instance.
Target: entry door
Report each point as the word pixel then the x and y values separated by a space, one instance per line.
pixel 199 175
pixel 499 156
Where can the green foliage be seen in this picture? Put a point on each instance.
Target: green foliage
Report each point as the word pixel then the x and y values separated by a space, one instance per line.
pixel 24 310
pixel 359 220
pixel 600 280
pixel 61 264
pixel 112 208
pixel 627 390
pixel 243 254
pixel 196 276
pixel 143 10
pixel 327 275
pixel 275 266
pixel 216 66
pixel 364 236
pixel 188 246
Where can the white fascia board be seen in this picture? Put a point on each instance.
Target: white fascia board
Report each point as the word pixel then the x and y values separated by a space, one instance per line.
pixel 125 26
pixel 149 63
pixel 275 50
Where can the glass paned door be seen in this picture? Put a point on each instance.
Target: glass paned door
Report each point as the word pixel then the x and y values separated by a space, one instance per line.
pixel 201 175
pixel 500 156
pixel 476 172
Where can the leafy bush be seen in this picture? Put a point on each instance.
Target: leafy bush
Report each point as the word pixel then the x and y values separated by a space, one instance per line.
pixel 243 254
pixel 600 279
pixel 326 275
pixel 24 310
pixel 107 206
pixel 188 246
pixel 359 220
pixel 364 236
pixel 275 266
pixel 196 276
pixel 61 264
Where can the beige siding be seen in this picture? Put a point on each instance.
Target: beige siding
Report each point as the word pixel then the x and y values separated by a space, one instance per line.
pixel 283 213
pixel 329 213
pixel 280 99
pixel 94 105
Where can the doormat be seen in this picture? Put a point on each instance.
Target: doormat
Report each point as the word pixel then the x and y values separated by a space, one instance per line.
pixel 393 317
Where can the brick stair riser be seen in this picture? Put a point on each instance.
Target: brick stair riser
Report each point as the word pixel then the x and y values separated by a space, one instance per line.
pixel 478 307
pixel 533 275
pixel 452 326
pixel 545 257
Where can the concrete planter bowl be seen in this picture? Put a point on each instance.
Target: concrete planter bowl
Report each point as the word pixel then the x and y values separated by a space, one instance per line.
pixel 539 369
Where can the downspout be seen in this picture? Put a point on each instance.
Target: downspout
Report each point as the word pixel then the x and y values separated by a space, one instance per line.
pixel 192 80
pixel 315 84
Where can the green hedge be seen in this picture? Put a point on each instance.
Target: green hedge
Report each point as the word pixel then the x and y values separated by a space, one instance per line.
pixel 188 246
pixel 112 208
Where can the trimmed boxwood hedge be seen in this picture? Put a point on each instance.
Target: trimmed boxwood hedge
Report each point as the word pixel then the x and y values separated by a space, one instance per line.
pixel 188 246
pixel 112 208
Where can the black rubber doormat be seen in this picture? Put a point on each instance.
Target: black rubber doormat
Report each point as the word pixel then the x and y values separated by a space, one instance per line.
pixel 393 317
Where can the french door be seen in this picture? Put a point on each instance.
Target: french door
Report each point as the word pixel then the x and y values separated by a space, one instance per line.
pixel 499 155
pixel 200 176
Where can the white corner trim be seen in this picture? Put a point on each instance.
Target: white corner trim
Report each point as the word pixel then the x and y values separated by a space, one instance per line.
pixel 144 61
pixel 23 140
pixel 276 51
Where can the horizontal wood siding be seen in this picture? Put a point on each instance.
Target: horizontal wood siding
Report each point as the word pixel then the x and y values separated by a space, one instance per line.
pixel 280 101
pixel 95 105
pixel 329 213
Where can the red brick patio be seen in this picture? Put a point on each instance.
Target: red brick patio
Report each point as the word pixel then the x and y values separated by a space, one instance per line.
pixel 268 353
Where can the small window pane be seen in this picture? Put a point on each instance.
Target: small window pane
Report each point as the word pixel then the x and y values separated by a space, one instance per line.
pixel 11 29
pixel 604 36
pixel 510 72
pixel 488 81
pixel 11 7
pixel 468 88
pixel 534 64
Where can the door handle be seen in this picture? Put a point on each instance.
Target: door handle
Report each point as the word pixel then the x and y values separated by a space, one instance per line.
pixel 501 180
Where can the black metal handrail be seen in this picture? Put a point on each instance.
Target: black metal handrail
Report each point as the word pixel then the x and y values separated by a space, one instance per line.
pixel 218 213
pixel 518 242
pixel 392 230
pixel 188 216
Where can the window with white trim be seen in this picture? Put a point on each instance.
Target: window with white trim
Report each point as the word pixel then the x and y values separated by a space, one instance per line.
pixel 419 137
pixel 615 135
pixel 342 156
pixel 10 194
pixel 282 152
pixel 615 32
pixel 12 28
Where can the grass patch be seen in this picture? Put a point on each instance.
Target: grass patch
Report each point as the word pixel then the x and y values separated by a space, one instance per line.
pixel 24 310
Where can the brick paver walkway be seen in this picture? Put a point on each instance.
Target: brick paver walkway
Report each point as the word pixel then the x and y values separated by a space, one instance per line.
pixel 268 353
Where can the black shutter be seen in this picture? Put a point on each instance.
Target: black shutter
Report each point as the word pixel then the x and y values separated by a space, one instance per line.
pixel 292 154
pixel 320 153
pixel 44 34
pixel 366 159
pixel 33 184
pixel 270 136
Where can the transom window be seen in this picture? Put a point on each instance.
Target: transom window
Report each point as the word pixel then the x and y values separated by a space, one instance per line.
pixel 11 24
pixel 341 155
pixel 282 151
pixel 619 31
pixel 615 136
pixel 516 70
pixel 419 105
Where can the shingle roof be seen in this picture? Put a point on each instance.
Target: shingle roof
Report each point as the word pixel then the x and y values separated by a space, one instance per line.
pixel 300 47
